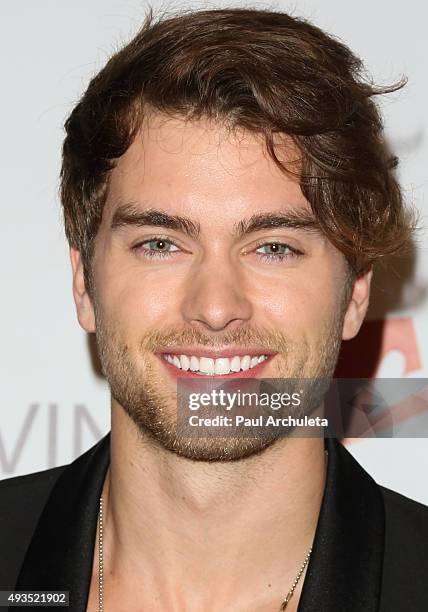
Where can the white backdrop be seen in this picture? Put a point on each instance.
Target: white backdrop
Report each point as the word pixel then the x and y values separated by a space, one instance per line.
pixel 53 407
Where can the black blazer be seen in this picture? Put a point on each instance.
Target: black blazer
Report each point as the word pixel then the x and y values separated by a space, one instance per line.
pixel 370 551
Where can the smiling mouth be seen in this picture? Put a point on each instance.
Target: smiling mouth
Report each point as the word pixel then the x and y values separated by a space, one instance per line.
pixel 207 366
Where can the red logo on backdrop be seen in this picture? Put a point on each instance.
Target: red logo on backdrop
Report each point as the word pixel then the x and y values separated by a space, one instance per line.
pixel 385 348
pixel 362 356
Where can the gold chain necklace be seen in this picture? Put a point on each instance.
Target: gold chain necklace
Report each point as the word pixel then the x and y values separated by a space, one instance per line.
pixel 101 565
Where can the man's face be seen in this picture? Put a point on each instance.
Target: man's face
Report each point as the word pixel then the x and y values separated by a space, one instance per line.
pixel 218 289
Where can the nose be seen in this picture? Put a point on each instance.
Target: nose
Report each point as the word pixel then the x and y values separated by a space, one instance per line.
pixel 216 298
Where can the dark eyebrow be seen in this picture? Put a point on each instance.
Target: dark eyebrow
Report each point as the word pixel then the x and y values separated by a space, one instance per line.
pixel 129 214
pixel 292 219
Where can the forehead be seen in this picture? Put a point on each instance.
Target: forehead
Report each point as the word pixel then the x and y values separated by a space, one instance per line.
pixel 203 168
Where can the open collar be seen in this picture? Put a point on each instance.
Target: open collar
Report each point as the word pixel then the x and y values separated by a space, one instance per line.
pixel 60 554
pixel 344 572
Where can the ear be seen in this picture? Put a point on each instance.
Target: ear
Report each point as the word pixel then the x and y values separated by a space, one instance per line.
pixel 357 307
pixel 84 307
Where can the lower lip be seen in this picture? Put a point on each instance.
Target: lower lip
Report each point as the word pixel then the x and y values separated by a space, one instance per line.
pixel 250 373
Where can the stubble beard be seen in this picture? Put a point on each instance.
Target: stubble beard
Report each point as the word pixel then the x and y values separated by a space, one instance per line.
pixel 137 388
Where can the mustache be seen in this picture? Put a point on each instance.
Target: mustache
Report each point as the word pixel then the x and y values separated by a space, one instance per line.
pixel 271 339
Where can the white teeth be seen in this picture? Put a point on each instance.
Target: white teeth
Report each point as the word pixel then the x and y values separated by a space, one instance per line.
pixel 222 366
pixel 194 363
pixel 245 362
pixel 185 362
pixel 235 363
pixel 254 361
pixel 206 365
pixel 214 367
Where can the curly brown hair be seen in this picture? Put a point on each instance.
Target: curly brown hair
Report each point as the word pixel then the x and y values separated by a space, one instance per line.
pixel 266 72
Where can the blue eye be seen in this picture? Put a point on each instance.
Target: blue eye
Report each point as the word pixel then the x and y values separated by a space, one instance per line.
pixel 157 247
pixel 165 246
pixel 279 251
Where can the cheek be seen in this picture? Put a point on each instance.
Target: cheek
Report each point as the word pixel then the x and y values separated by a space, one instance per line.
pixel 298 304
pixel 137 301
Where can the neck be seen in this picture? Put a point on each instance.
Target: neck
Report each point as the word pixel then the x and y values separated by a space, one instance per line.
pixel 246 525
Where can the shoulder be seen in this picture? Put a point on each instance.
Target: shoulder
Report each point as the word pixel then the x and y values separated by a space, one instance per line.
pixel 22 495
pixel 406 553
pixel 404 514
pixel 406 529
pixel 34 481
pixel 22 500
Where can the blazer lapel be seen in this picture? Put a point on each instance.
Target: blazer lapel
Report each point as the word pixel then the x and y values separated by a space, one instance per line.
pixel 343 574
pixel 60 554
pixel 345 569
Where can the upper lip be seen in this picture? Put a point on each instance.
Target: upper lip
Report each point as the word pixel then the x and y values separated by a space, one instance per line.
pixel 233 351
